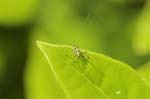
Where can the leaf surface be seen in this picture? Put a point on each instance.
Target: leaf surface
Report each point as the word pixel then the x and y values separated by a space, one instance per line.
pixel 92 75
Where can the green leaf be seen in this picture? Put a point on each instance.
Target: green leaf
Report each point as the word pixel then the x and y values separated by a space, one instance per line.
pixel 141 39
pixel 92 75
pixel 145 72
pixel 16 12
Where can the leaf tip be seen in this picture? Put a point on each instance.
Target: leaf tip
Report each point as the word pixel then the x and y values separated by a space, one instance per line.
pixel 40 44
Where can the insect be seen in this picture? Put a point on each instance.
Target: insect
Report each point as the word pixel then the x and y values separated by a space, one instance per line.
pixel 79 54
pixel 83 63
pixel 80 59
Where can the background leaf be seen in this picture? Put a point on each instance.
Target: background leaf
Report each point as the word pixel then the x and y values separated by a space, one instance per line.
pixel 18 12
pixel 141 41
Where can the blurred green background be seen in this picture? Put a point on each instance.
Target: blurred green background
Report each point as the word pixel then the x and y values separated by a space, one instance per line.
pixel 117 28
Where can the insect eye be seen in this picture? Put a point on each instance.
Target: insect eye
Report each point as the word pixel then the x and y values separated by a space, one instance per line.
pixel 75 48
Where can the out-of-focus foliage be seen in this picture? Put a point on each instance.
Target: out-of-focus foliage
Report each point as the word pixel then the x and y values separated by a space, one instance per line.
pixel 123 2
pixel 12 62
pixel 142 36
pixel 13 12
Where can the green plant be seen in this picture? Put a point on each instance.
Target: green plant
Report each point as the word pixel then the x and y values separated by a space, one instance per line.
pixel 97 77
